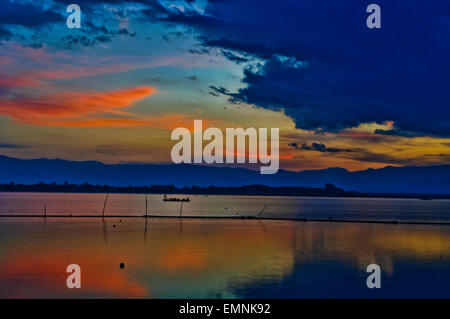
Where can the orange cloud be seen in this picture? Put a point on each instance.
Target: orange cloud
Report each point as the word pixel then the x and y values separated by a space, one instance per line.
pixel 76 109
pixel 45 109
pixel 168 122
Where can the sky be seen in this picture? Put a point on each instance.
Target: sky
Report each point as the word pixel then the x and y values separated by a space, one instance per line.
pixel 342 95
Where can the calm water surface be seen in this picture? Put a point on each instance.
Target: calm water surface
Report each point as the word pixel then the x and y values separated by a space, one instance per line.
pixel 282 207
pixel 219 258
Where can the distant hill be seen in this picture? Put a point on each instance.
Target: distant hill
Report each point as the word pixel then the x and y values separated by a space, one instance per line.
pixel 408 179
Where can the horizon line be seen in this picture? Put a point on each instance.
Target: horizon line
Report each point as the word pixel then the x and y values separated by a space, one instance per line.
pixel 246 167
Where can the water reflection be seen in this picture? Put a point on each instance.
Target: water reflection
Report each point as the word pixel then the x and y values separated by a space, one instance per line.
pixel 180 258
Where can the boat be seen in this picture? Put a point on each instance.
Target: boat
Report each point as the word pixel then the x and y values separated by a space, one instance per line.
pixel 175 199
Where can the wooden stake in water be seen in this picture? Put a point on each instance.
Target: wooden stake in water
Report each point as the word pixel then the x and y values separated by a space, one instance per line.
pixel 145 205
pixel 262 210
pixel 146 220
pixel 181 208
pixel 104 205
pixel 45 210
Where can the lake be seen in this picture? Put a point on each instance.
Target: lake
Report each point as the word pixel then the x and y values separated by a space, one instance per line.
pixel 437 210
pixel 222 258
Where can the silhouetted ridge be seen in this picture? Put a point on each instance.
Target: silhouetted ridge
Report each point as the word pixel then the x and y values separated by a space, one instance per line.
pixel 408 179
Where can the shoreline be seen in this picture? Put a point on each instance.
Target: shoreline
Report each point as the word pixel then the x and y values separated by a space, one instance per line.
pixel 390 222
pixel 424 197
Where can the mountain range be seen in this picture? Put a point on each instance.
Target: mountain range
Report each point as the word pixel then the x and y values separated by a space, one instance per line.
pixel 406 179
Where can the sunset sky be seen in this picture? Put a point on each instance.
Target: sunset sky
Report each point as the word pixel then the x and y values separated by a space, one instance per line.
pixel 342 95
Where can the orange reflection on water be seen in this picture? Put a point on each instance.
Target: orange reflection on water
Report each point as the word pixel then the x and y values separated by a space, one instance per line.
pixel 194 257
pixel 204 250
pixel 45 271
pixel 182 258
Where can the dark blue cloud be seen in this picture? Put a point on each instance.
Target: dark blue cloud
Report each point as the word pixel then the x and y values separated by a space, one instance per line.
pixel 151 6
pixel 30 16
pixel 5 34
pixel 26 15
pixel 34 16
pixel 328 70
pixel 233 57
pixel 319 147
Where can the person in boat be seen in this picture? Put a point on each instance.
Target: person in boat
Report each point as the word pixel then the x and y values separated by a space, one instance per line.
pixel 174 199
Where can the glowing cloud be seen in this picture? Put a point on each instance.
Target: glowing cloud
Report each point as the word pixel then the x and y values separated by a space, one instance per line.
pixel 44 110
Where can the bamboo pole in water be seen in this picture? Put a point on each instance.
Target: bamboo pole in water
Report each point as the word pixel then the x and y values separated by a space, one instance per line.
pixel 261 212
pixel 145 205
pixel 104 205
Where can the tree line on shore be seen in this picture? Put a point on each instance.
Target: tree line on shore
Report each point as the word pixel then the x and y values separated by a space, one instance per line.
pixel 329 190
